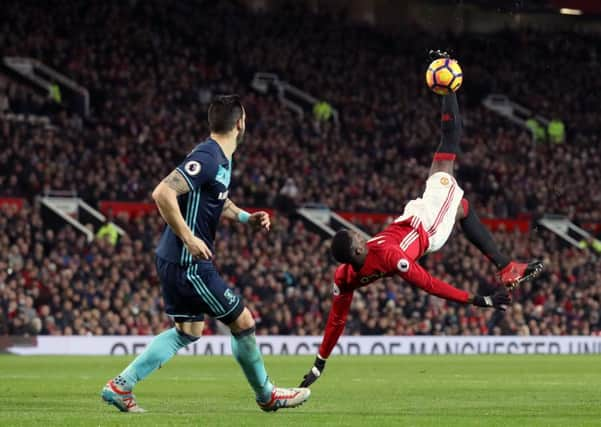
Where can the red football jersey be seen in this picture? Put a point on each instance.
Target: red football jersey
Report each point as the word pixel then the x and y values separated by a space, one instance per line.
pixel 392 251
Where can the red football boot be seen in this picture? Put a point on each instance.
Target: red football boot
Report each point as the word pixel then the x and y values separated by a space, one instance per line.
pixel 516 273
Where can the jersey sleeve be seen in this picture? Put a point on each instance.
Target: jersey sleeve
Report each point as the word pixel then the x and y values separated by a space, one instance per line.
pixel 341 304
pixel 416 275
pixel 198 168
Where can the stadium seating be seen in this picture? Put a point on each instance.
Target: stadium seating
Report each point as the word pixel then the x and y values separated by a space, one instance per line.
pixel 149 94
pixel 57 283
pixel 151 68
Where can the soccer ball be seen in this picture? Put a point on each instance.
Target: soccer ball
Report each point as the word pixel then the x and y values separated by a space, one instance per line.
pixel 444 76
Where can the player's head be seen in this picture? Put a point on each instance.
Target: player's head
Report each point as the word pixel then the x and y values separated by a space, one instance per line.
pixel 348 247
pixel 226 115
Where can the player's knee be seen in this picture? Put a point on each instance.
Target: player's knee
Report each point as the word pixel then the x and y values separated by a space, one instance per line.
pixel 244 322
pixel 464 209
pixel 190 330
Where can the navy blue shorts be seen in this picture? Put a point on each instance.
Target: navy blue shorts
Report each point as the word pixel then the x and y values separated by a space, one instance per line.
pixel 193 291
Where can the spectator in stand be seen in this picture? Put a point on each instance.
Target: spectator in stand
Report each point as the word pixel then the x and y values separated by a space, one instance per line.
pixel 287 199
pixel 3 322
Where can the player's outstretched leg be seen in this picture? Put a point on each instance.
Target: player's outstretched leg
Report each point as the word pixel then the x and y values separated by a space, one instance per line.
pixel 118 391
pixel 450 126
pixel 511 273
pixel 245 350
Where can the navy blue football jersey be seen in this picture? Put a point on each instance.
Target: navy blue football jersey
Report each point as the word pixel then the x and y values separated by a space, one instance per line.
pixel 208 172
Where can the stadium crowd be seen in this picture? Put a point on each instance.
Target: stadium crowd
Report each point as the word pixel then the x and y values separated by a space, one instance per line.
pixel 57 283
pixel 152 67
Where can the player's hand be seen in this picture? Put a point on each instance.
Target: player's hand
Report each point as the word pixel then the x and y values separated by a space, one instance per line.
pixel 435 54
pixel 310 377
pixel 198 248
pixel 260 221
pixel 499 300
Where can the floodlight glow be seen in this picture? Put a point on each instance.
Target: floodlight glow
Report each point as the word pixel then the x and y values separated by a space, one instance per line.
pixel 568 11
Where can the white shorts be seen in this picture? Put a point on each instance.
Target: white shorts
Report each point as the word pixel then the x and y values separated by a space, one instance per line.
pixel 437 209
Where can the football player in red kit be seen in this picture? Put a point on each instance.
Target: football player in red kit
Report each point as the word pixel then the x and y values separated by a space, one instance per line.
pixel 424 227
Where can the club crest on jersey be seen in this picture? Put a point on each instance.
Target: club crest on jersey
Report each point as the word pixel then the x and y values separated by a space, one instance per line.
pixel 231 298
pixel 192 168
pixel 403 265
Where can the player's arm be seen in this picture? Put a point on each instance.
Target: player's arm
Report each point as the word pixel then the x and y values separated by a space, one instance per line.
pixel 450 124
pixel 197 169
pixel 165 196
pixel 413 273
pixel 256 220
pixel 341 304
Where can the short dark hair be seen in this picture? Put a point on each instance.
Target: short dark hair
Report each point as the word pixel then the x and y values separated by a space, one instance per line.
pixel 342 246
pixel 224 112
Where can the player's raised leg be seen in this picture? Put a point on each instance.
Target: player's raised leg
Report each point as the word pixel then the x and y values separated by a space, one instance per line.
pixel 246 352
pixel 511 273
pixel 450 124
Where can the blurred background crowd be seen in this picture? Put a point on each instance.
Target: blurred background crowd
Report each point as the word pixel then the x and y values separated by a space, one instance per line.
pixel 152 67
pixel 57 283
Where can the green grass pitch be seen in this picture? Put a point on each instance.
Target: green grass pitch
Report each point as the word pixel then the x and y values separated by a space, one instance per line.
pixel 362 391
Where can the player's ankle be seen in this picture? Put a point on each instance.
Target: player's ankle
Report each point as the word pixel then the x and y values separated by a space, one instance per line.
pixel 264 396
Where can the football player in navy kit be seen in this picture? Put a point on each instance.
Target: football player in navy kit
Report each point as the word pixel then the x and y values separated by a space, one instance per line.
pixel 191 200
